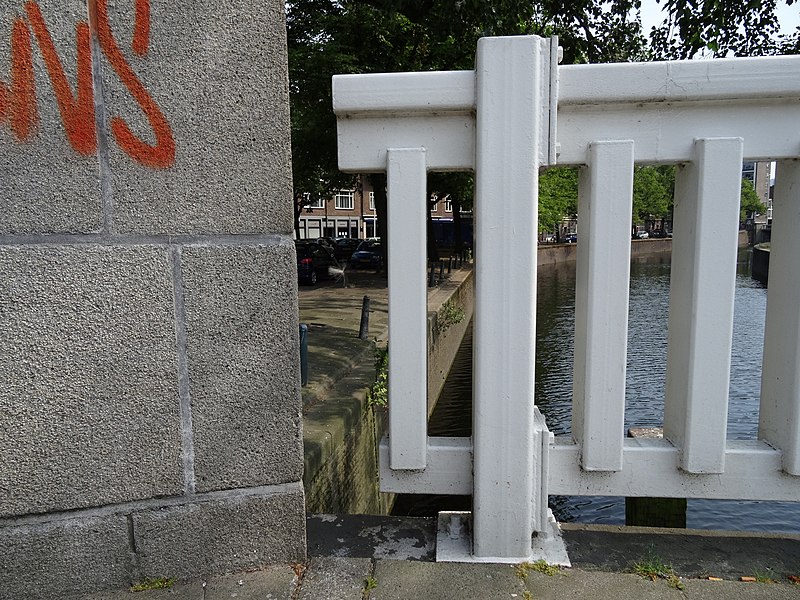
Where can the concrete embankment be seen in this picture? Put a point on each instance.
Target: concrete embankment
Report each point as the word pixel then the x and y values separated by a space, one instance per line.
pixel 550 254
pixel 341 424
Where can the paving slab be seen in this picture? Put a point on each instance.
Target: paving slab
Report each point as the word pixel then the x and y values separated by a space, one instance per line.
pixel 334 578
pixel 192 590
pixel 271 583
pixel 404 580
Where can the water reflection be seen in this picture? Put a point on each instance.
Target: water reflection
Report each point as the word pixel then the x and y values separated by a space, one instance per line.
pixel 646 368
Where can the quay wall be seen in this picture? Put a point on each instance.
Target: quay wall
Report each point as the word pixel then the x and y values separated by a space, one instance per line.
pixel 150 408
pixel 341 435
pixel 550 254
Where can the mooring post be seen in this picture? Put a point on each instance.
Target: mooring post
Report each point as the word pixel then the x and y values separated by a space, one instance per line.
pixel 363 330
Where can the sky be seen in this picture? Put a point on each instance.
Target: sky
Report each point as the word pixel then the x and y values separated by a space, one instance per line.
pixel 788 16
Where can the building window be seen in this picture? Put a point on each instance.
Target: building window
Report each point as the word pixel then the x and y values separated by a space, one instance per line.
pixel 314 203
pixel 448 205
pixel 372 201
pixel 344 200
pixel 749 172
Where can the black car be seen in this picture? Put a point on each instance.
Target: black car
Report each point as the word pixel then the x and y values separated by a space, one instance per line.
pixel 314 261
pixel 344 247
pixel 367 255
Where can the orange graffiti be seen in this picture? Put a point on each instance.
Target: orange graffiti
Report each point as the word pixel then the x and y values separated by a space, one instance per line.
pixel 77 114
pixel 18 103
pixel 141 27
pixel 163 153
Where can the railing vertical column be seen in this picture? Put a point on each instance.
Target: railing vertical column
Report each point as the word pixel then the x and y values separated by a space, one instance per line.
pixel 601 304
pixel 779 416
pixel 702 285
pixel 408 389
pixel 512 94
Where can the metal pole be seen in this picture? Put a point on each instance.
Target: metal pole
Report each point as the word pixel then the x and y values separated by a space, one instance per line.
pixel 303 354
pixel 363 330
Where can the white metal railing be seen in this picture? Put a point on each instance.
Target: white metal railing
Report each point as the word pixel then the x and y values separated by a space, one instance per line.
pixel 514 114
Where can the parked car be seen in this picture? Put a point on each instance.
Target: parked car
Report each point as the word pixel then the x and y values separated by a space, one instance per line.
pixel 658 233
pixel 344 247
pixel 367 255
pixel 571 238
pixel 314 262
pixel 641 235
pixel 328 242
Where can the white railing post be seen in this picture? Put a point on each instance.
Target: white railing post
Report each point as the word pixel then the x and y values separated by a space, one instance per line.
pixel 605 196
pixel 408 389
pixel 702 285
pixel 779 417
pixel 512 124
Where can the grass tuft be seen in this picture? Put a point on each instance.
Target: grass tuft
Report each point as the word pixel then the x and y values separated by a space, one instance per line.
pixel 156 583
pixel 522 570
pixel 653 567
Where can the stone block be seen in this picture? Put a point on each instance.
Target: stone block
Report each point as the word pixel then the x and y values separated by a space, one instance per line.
pixel 215 80
pixel 89 411
pixel 62 558
pixel 242 347
pixel 212 537
pixel 48 186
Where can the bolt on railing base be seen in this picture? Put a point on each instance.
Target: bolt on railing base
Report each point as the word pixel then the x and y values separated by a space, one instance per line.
pixel 454 542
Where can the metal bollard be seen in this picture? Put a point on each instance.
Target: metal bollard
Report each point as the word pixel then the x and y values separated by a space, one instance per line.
pixel 449 264
pixel 441 271
pixel 363 330
pixel 303 354
pixel 431 280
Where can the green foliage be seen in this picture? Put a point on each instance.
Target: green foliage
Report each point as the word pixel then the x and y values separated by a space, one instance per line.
pixel 653 567
pixel 522 570
pixel 449 314
pixel 749 202
pixel 719 28
pixel 653 189
pixel 378 394
pixel 558 197
pixel 156 583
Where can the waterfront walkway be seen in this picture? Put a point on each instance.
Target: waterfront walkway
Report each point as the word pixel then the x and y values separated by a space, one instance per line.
pixel 392 558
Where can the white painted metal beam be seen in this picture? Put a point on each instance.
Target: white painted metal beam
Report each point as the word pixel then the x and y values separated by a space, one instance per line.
pixel 510 118
pixel 601 303
pixel 702 286
pixel 408 403
pixel 753 471
pixel 448 469
pixel 651 468
pixel 779 417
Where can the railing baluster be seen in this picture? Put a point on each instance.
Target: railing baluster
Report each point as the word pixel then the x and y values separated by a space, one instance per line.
pixel 601 304
pixel 779 417
pixel 408 403
pixel 702 285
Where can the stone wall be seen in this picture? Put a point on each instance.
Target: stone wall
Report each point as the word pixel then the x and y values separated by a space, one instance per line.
pixel 149 408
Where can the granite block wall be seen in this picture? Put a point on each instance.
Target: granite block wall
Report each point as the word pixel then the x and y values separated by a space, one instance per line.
pixel 149 408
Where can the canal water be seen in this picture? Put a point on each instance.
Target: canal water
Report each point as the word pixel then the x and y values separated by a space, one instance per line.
pixel 647 357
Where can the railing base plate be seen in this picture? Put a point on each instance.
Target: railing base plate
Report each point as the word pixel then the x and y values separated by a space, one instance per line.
pixel 454 542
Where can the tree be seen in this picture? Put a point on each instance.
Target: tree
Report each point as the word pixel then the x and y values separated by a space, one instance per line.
pixel 326 37
pixel 558 198
pixel 720 28
pixel 749 201
pixel 653 190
